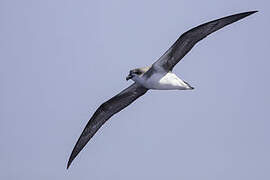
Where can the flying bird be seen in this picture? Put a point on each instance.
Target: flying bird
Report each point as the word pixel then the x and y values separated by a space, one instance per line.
pixel 158 76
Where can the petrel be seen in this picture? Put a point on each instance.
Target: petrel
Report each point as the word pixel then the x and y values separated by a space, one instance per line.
pixel 158 76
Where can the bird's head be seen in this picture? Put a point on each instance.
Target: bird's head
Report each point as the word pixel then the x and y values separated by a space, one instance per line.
pixel 134 74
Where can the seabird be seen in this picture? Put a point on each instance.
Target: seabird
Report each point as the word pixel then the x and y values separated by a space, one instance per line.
pixel 157 76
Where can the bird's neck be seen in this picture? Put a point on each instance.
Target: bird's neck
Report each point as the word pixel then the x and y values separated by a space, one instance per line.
pixel 139 79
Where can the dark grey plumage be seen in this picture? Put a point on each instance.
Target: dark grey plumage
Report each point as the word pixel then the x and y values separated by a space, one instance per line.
pixel 104 112
pixel 187 40
pixel 164 64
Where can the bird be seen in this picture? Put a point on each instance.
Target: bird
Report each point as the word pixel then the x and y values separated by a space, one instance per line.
pixel 158 76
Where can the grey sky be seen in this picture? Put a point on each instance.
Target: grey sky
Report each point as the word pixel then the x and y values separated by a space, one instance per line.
pixel 60 59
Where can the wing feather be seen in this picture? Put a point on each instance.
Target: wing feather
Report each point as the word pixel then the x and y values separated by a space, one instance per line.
pixel 187 40
pixel 104 112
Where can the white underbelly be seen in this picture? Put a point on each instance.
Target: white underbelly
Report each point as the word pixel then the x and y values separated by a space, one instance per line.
pixel 168 82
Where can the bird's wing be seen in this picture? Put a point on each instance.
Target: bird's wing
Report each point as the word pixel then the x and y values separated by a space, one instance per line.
pixel 187 40
pixel 104 112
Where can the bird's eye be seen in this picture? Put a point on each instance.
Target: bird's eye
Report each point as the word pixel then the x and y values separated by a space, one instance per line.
pixel 137 72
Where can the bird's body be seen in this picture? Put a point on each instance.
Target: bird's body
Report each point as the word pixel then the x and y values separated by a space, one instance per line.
pixel 162 81
pixel 158 76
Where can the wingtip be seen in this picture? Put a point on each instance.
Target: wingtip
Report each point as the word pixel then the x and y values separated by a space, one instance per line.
pixel 244 14
pixel 69 162
pixel 252 12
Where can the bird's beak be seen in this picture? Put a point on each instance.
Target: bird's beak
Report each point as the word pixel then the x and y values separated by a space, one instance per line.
pixel 129 77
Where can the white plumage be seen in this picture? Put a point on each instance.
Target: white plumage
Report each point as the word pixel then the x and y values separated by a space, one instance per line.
pixel 161 81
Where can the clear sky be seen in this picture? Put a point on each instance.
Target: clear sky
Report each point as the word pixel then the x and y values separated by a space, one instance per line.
pixel 60 59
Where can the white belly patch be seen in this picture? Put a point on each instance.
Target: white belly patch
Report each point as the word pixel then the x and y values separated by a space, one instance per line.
pixel 168 82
